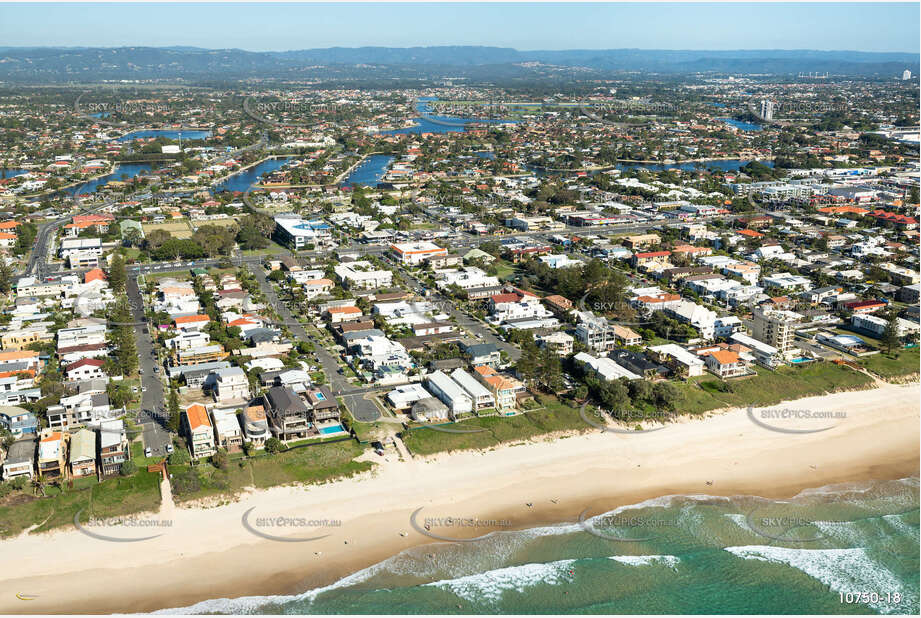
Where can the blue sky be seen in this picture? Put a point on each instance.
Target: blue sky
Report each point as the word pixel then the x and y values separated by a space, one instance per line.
pixel 259 27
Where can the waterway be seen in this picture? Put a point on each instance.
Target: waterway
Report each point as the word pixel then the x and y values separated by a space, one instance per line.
pixel 741 124
pixel 190 135
pixel 245 179
pixel 370 171
pixel 424 124
pixel 124 171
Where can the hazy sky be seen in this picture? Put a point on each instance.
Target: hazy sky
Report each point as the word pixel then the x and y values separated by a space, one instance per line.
pixel 257 27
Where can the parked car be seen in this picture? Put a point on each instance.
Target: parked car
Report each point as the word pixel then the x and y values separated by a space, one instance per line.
pixel 169 448
pixel 147 452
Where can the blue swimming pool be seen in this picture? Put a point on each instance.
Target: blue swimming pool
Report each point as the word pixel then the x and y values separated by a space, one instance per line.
pixel 332 429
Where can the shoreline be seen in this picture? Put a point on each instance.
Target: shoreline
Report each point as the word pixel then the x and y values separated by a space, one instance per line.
pixel 208 554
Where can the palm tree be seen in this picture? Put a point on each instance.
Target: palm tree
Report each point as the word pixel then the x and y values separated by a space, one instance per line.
pixel 38 486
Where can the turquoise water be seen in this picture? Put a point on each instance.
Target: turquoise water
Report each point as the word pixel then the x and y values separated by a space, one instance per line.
pixel 693 555
pixel 332 429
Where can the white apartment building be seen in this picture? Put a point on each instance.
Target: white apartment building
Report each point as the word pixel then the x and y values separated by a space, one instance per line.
pixel 481 397
pixel 449 392
pixel 606 368
pixel 699 317
pixel 362 275
pixel 465 278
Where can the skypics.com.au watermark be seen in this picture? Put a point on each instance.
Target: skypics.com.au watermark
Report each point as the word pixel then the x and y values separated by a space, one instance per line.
pixel 107 110
pixel 292 110
pixel 786 527
pixel 795 421
pixel 621 308
pixel 600 422
pixel 441 528
pixel 284 528
pixel 624 528
pixel 768 108
pixel 121 529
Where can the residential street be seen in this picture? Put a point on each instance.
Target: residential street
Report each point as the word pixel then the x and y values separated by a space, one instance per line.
pixel 153 415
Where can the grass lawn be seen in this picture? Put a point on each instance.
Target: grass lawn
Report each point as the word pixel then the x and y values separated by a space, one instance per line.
pixel 370 432
pixel 217 222
pixel 272 249
pixel 182 273
pixel 131 253
pixel 313 464
pixel 554 416
pixel 178 229
pixel 115 496
pixel 905 362
pixel 504 268
pixel 769 387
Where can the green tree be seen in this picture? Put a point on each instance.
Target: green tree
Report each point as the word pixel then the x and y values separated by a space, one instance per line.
pixel 156 238
pixel 117 274
pixel 132 237
pixel 220 459
pixel 179 457
pixel 172 407
pixel 6 278
pixel 891 337
pixel 667 395
pixel 128 468
pixel 119 394
pixel 273 445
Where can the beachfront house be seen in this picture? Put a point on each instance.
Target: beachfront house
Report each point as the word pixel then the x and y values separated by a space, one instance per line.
pixel 20 460
pixel 288 415
pixel 227 430
pixel 199 431
pixel 113 446
pixel 83 454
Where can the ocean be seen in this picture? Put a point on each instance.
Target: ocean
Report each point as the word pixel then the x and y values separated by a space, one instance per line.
pixel 841 549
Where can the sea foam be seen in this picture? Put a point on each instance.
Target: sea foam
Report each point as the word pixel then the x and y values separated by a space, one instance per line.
pixel 666 560
pixel 842 570
pixel 491 585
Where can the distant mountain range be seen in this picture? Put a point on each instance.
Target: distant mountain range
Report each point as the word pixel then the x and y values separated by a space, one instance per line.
pixel 56 64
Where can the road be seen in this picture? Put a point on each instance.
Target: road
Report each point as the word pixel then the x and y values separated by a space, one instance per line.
pixel 465 320
pixel 153 417
pixel 361 409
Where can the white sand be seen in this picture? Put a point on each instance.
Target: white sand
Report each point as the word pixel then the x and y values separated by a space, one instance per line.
pixel 207 552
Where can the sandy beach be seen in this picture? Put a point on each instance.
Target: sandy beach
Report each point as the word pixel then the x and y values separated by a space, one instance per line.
pixel 209 553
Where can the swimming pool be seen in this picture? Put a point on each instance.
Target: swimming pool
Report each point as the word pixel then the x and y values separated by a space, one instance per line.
pixel 332 429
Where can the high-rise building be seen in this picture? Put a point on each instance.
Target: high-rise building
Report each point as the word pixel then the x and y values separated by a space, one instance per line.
pixel 775 328
pixel 906 75
pixel 767 109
